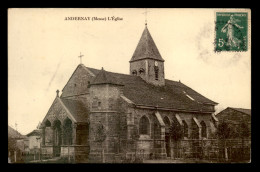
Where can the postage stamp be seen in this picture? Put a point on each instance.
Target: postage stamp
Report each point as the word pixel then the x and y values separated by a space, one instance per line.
pixel 231 31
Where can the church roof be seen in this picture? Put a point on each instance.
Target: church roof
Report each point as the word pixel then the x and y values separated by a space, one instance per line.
pixel 77 109
pixel 174 95
pixel 104 77
pixel 146 48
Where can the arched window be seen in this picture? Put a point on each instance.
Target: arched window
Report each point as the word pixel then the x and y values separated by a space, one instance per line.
pixel 144 125
pixel 203 129
pixel 141 71
pixel 57 132
pixel 47 123
pixel 156 70
pixel 46 131
pixel 134 72
pixel 185 129
pixel 67 140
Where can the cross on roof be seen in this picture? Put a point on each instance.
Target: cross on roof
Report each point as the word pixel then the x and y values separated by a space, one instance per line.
pixel 80 56
pixel 145 15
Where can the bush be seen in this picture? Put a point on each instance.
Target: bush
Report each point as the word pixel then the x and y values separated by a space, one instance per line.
pixel 176 131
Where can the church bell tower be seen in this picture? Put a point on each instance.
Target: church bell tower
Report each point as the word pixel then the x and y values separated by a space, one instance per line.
pixel 147 62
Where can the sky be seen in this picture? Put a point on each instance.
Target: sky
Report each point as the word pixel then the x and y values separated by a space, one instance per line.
pixel 43 50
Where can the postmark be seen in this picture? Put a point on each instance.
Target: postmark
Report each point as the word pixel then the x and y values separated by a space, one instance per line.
pixel 231 31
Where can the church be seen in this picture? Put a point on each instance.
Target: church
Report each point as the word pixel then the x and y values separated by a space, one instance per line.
pixel 102 114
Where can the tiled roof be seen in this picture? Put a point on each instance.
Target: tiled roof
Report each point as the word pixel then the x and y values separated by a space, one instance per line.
pixel 173 95
pixel 36 132
pixel 246 111
pixel 104 77
pixel 146 48
pixel 13 133
pixel 77 109
pixel 93 70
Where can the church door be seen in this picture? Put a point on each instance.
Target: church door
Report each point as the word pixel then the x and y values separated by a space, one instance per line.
pixel 167 145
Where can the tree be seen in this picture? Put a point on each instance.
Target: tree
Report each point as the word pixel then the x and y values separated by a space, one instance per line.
pixel 134 137
pixel 225 131
pixel 176 131
pixel 12 144
pixel 243 132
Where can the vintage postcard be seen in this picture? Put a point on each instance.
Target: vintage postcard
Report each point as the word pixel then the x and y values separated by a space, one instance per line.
pixel 129 85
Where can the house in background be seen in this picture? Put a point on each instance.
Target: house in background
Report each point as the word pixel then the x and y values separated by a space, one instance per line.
pixel 16 145
pixel 239 142
pixel 235 116
pixel 34 140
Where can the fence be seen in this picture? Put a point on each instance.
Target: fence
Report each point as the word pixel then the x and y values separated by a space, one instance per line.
pixel 230 150
pixel 15 156
pixel 66 154
pixel 233 150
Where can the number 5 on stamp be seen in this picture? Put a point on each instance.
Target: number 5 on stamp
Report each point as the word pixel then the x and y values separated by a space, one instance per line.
pixel 231 31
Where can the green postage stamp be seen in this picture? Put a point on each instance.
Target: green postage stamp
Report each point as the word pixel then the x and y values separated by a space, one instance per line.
pixel 231 31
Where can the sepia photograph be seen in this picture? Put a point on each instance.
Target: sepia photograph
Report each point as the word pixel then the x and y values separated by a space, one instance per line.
pixel 129 85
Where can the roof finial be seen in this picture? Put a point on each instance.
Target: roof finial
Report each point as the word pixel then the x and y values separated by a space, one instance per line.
pixel 102 68
pixel 15 126
pixel 57 93
pixel 145 16
pixel 80 56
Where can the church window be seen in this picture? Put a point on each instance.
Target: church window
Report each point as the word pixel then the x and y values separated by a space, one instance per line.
pixel 203 129
pixel 141 71
pixel 67 140
pixel 56 136
pixel 156 70
pixel 185 129
pixel 144 125
pixel 99 104
pixel 88 84
pixel 57 132
pixel 134 72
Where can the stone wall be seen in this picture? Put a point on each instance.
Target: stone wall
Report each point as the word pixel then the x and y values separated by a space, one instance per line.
pixel 33 142
pixel 78 83
pixel 47 151
pixel 82 134
pixel 146 142
pixel 104 113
